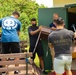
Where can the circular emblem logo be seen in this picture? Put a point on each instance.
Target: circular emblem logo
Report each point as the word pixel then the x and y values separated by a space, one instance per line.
pixel 9 24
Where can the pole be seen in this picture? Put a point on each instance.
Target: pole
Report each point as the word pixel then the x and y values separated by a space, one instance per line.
pixel 37 42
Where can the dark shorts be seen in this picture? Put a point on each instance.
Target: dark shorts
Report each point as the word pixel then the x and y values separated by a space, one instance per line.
pixel 39 50
pixel 10 47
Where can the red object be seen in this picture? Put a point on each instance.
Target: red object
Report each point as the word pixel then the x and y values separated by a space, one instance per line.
pixel 74 72
pixel 53 73
pixel 63 73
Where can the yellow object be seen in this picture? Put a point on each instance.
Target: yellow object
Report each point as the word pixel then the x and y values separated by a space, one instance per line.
pixel 36 60
pixel 74 55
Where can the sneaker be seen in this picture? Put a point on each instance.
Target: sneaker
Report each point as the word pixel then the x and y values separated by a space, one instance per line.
pixel 16 72
pixel 44 72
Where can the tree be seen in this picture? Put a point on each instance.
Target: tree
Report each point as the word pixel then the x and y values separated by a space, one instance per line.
pixel 27 8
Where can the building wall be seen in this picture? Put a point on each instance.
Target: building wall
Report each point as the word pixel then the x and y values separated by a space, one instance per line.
pixel 62 3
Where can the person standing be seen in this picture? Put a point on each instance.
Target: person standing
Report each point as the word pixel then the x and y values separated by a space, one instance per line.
pixel 10 30
pixel 33 35
pixel 60 42
pixel 52 25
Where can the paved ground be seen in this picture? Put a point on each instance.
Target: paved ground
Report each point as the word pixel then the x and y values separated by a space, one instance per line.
pixel 33 71
pixel 21 72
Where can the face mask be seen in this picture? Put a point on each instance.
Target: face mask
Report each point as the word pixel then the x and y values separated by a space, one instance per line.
pixel 33 24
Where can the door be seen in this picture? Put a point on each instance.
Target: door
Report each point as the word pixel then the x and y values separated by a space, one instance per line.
pixel 45 17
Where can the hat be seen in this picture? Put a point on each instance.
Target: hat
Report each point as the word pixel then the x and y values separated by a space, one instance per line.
pixel 59 21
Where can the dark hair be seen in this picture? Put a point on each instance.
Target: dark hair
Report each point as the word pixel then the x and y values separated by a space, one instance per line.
pixel 33 19
pixel 59 21
pixel 16 13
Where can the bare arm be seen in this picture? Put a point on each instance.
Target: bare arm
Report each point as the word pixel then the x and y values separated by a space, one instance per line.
pixel 52 49
pixel 75 35
pixel 34 32
pixel 52 52
pixel 53 28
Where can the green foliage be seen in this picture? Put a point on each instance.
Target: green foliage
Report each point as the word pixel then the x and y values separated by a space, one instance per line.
pixel 23 36
pixel 25 22
pixel 27 8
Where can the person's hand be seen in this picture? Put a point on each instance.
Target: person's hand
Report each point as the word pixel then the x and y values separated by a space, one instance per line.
pixel 75 35
pixel 40 27
pixel 53 28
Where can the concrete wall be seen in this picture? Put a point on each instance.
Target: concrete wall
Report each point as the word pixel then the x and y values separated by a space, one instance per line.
pixel 62 3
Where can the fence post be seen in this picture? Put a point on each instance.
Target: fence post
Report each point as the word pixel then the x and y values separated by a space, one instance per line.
pixel 26 64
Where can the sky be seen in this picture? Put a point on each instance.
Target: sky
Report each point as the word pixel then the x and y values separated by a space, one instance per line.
pixel 48 3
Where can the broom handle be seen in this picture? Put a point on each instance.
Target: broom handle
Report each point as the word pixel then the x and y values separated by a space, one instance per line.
pixel 74 28
pixel 37 42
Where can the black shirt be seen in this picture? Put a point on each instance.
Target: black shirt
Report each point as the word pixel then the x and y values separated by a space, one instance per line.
pixel 52 25
pixel 33 38
pixel 61 40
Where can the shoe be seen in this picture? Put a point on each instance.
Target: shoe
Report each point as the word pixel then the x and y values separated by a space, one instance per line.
pixel 16 72
pixel 44 72
pixel 3 73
